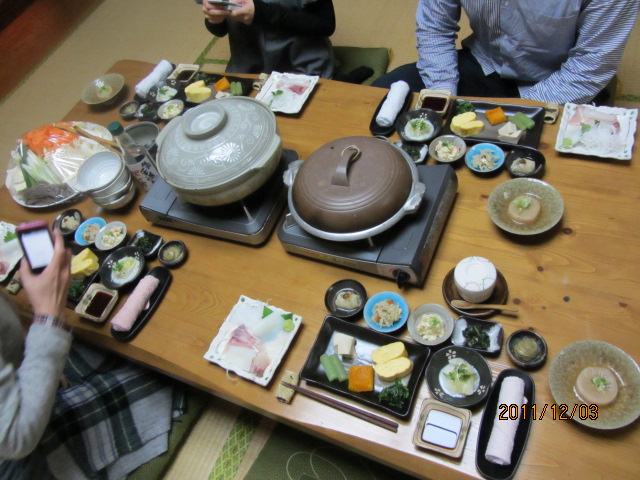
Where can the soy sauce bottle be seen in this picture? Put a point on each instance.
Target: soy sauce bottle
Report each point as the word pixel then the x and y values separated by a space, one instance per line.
pixel 136 157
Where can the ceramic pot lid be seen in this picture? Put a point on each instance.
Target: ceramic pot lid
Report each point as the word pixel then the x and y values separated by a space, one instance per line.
pixel 352 184
pixel 217 142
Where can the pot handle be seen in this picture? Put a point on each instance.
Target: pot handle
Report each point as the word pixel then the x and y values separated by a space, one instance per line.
pixel 415 199
pixel 341 175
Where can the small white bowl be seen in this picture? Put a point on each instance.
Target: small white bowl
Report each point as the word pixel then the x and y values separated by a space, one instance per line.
pixel 98 171
pixel 430 308
pixel 108 237
pixel 455 140
pixel 475 279
pixel 170 109
pixel 114 194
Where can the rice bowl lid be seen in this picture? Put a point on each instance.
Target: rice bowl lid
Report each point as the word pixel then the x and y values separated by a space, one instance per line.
pixel 378 183
pixel 217 143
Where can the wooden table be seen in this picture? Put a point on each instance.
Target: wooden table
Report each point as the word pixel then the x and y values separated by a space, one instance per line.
pixel 578 282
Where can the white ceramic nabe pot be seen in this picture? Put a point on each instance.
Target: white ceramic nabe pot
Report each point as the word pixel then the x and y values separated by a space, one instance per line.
pixel 475 278
pixel 220 151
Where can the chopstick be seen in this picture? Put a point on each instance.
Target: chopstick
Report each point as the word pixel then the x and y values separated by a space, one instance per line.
pixel 110 145
pixel 356 412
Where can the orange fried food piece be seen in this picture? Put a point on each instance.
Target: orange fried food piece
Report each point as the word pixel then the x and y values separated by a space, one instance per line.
pixel 361 378
pixel 496 116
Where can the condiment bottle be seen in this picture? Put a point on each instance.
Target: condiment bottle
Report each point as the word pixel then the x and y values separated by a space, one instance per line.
pixel 136 157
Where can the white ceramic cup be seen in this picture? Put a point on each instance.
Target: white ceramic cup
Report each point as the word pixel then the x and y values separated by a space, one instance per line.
pixel 475 278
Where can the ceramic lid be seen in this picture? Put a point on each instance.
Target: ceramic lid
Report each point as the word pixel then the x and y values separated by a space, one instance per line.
pixel 216 143
pixel 352 184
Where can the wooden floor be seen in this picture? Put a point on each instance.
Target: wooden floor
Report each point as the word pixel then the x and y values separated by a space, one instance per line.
pixel 37 30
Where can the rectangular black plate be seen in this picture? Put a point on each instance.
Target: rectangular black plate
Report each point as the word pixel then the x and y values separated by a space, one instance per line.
pixel 164 277
pixel 366 341
pixel 530 138
pixel 485 467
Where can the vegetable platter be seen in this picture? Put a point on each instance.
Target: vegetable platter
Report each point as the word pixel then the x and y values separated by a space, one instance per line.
pixel 43 166
pixel 367 340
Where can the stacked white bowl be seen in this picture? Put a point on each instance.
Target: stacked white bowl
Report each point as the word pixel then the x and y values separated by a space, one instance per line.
pixel 104 177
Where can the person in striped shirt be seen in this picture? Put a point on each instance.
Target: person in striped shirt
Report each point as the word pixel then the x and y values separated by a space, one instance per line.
pixel 547 50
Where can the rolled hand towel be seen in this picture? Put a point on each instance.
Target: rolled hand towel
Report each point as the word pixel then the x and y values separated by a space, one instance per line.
pixel 137 301
pixel 159 73
pixel 503 432
pixel 393 103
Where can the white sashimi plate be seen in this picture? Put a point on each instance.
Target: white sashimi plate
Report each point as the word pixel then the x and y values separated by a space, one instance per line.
pixel 252 340
pixel 621 145
pixel 10 252
pixel 287 92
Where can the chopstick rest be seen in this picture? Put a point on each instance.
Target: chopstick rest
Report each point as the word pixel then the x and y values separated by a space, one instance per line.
pixel 551 111
pixel 284 393
pixel 137 301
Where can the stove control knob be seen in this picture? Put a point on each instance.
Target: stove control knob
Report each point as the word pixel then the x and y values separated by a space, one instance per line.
pixel 402 277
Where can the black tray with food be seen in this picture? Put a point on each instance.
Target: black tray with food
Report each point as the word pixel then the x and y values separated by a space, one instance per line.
pixel 524 414
pixel 530 138
pixel 376 129
pixel 164 277
pixel 367 340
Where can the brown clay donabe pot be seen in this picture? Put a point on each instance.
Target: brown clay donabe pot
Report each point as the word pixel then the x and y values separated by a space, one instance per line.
pixel 220 151
pixel 353 188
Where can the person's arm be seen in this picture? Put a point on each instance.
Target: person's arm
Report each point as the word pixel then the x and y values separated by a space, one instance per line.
pixel 603 29
pixel 316 18
pixel 27 394
pixel 436 31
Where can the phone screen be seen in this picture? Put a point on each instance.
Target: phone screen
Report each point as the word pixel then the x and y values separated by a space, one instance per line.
pixel 38 248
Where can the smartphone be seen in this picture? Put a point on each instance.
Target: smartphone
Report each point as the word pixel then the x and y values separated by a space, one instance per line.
pixel 37 244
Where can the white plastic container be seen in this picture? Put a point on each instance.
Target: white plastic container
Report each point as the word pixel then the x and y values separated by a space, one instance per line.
pixel 475 278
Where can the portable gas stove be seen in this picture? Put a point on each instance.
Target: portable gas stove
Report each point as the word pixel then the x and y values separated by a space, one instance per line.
pixel 403 252
pixel 250 220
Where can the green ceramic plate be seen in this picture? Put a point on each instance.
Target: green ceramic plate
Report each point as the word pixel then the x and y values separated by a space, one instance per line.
pixel 568 364
pixel 551 205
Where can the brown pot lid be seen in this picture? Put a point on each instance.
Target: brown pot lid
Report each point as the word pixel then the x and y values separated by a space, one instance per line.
pixel 352 184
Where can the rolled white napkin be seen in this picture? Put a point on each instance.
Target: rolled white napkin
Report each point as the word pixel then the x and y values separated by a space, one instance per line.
pixel 137 301
pixel 393 103
pixel 159 73
pixel 503 432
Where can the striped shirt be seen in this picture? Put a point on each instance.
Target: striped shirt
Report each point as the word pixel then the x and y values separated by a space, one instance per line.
pixel 557 50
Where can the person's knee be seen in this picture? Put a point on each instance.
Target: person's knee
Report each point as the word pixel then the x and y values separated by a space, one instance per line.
pixel 409 73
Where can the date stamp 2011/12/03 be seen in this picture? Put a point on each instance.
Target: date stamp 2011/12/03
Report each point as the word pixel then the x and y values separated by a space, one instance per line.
pixel 553 411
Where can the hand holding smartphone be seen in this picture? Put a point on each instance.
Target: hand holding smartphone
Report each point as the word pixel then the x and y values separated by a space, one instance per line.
pixel 37 244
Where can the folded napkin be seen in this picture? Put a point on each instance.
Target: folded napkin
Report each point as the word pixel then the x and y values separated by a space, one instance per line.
pixel 159 73
pixel 393 103
pixel 137 301
pixel 503 432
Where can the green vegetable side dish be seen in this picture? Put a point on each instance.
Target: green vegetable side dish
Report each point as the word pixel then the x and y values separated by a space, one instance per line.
pixel 145 244
pixel 521 121
pixel 333 367
pixel 600 383
pixel 461 373
pixel 465 106
pixel 523 203
pixel 476 337
pixel 395 396
pixel 75 290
